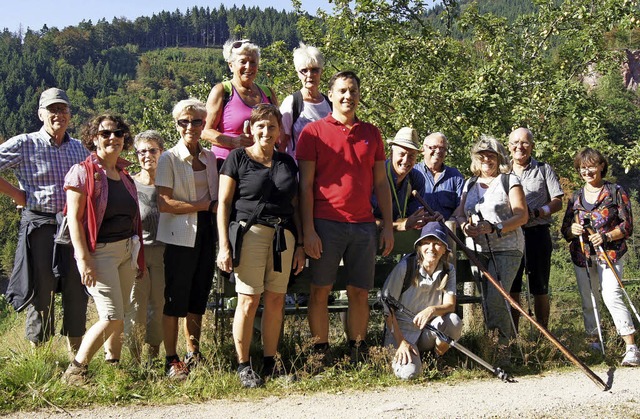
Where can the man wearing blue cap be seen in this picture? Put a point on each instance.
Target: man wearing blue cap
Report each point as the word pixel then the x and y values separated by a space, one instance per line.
pixel 40 161
pixel 425 284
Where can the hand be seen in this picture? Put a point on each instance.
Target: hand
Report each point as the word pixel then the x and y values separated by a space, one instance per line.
pixel 471 230
pixel 576 229
pixel 299 260
pixel 223 260
pixel 386 240
pixel 415 221
pixel 312 245
pixel 140 273
pixel 422 319
pixel 596 239
pixel 403 353
pixel 87 272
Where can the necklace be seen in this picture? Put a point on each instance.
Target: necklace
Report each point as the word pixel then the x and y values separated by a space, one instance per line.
pixel 590 189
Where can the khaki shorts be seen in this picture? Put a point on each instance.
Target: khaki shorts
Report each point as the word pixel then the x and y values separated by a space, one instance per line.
pixel 255 273
pixel 114 279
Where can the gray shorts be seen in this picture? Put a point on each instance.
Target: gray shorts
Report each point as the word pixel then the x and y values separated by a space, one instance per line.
pixel 353 243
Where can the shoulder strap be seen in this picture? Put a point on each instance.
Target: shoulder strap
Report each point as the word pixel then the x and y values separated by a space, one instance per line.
pixel 543 169
pixel 410 272
pixel 504 177
pixel 328 101
pixel 296 107
pixel 613 191
pixel 266 90
pixel 472 182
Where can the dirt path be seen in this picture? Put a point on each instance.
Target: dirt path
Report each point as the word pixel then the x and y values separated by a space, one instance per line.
pixel 567 395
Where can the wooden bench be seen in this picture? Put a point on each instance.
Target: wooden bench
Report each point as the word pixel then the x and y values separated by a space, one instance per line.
pixel 225 290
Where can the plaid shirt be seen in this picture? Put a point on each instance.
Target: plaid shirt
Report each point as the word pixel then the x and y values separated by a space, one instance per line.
pixel 40 166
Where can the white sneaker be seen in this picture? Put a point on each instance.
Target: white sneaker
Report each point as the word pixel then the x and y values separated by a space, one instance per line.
pixel 631 358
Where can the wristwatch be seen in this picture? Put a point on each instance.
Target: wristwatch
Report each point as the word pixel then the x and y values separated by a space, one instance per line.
pixel 498 228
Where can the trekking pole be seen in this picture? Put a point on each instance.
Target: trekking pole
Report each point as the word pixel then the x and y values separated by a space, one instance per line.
pixel 565 351
pixel 395 305
pixel 591 292
pixel 591 230
pixel 525 273
pixel 477 275
pixel 508 307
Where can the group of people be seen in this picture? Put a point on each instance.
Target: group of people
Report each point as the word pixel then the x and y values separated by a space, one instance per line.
pixel 279 186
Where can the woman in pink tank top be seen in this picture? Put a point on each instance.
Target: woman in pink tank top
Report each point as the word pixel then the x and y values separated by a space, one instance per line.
pixel 228 110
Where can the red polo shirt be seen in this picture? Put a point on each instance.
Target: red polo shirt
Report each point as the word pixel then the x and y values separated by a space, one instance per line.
pixel 344 160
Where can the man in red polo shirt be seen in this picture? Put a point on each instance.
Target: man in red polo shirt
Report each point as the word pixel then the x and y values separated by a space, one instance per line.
pixel 341 162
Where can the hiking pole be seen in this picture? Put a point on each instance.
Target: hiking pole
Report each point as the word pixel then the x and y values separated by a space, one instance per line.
pixel 565 351
pixel 593 296
pixel 508 307
pixel 591 230
pixel 477 275
pixel 395 305
pixel 525 273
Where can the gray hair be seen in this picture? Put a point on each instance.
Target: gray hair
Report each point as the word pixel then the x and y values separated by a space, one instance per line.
pixel 436 134
pixel 229 52
pixel 190 105
pixel 489 143
pixel 149 136
pixel 307 56
pixel 527 132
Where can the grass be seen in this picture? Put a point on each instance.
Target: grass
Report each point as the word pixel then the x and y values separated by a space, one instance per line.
pixel 29 377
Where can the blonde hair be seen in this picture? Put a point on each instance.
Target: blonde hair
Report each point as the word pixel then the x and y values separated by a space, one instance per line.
pixel 444 261
pixel 190 105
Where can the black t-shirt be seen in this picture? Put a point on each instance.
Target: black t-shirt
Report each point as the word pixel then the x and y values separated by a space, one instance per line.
pixel 117 223
pixel 251 178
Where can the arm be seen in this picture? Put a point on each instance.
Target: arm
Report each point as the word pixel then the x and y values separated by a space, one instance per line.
pixel 227 187
pixel 166 203
pixel 215 107
pixel 405 349
pixel 383 193
pixel 299 256
pixel 18 195
pixel 312 242
pixel 425 316
pixel 518 207
pixel 76 204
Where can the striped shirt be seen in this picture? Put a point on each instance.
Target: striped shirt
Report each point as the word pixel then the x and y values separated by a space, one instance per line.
pixel 40 166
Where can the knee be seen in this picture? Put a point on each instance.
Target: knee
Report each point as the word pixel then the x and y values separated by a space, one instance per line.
pixel 357 295
pixel 452 325
pixel 408 371
pixel 247 303
pixel 273 301
pixel 319 295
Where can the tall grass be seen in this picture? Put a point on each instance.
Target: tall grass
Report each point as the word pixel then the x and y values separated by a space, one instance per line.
pixel 30 377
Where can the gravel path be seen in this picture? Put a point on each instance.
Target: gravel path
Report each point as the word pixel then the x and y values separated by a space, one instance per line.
pixel 567 395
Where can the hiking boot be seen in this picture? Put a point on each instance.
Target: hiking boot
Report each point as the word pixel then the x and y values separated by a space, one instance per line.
pixel 631 358
pixel 193 359
pixel 75 375
pixel 249 378
pixel 176 370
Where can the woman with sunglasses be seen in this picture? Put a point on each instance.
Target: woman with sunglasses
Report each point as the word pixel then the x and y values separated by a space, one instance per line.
pixel 599 216
pixel 308 104
pixel 105 228
pixel 187 182
pixel 229 104
pixel 143 318
pixel 250 177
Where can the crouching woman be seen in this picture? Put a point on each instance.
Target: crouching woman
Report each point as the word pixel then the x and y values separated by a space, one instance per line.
pixel 424 283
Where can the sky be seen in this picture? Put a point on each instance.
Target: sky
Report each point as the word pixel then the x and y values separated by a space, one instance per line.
pixel 62 13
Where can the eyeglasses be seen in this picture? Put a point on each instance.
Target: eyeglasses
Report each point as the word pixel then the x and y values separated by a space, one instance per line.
pixel 152 151
pixel 184 123
pixel 312 70
pixel 240 43
pixel 524 144
pixel 106 133
pixel 588 169
pixel 57 110
pixel 434 148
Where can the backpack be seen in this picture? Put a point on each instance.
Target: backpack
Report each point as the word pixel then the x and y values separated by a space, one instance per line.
pixel 228 89
pixel 503 177
pixel 298 104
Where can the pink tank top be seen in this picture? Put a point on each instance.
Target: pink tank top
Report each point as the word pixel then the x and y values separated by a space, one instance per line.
pixel 234 113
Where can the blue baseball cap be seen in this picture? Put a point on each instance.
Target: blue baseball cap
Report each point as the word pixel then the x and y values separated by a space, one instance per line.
pixel 433 229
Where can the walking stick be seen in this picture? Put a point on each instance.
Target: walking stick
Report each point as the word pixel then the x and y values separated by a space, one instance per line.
pixel 593 296
pixel 395 305
pixel 565 351
pixel 477 276
pixel 591 230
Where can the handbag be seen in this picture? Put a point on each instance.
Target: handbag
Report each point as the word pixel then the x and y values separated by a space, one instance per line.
pixel 237 230
pixel 62 233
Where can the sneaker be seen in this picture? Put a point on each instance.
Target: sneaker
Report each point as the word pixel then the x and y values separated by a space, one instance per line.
pixel 193 359
pixel 631 358
pixel 250 379
pixel 74 375
pixel 176 370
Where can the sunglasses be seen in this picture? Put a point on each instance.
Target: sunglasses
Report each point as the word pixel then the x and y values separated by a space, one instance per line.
pixel 313 70
pixel 152 151
pixel 106 133
pixel 239 43
pixel 194 122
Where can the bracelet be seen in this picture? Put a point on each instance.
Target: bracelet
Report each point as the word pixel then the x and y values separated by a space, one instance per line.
pixel 211 205
pixel 605 238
